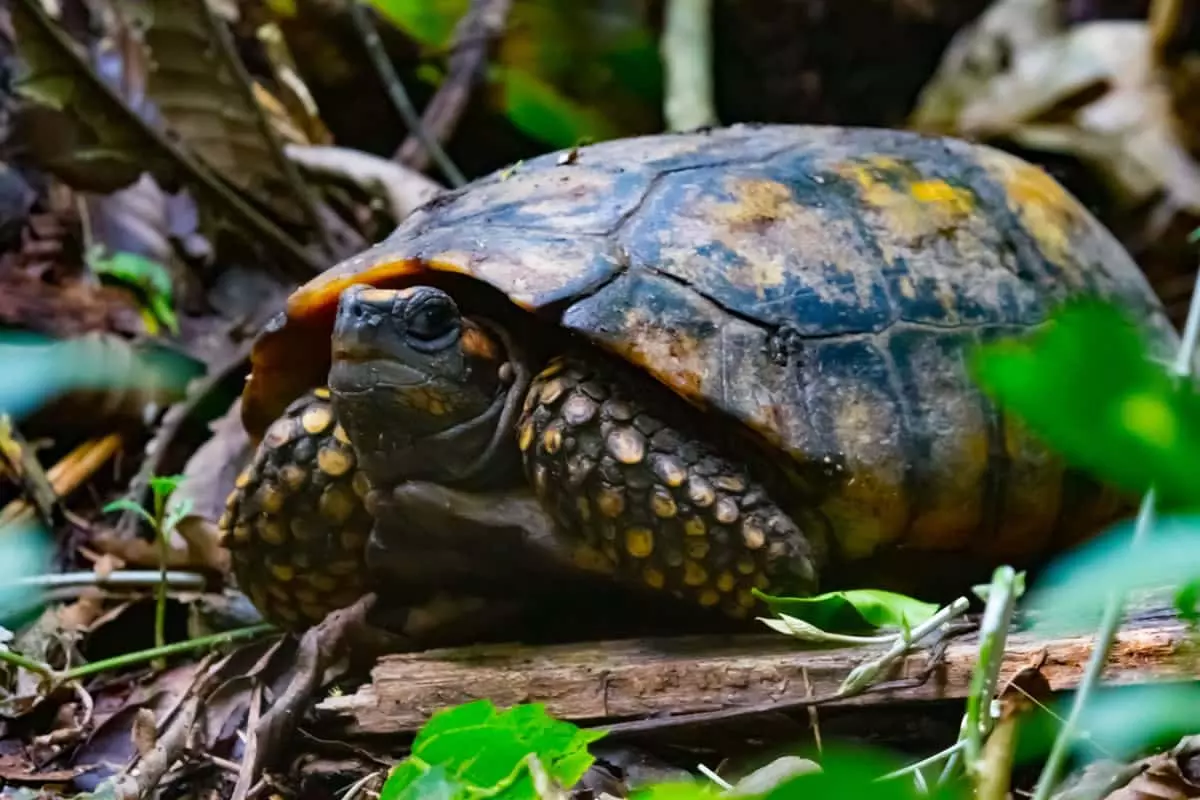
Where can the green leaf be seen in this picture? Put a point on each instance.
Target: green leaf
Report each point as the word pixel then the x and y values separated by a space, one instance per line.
pixel 848 772
pixel 414 783
pixel 541 111
pixel 150 278
pixel 25 550
pixel 678 790
pixel 1187 602
pixel 164 485
pixel 125 504
pixel 1086 386
pixel 487 751
pixel 429 22
pixel 1136 718
pixel 853 611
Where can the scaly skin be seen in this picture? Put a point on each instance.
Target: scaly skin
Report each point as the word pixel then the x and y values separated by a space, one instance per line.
pixel 649 502
pixel 295 523
pixel 427 395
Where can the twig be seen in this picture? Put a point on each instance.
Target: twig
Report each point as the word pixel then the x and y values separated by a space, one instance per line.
pixel 244 82
pixel 65 476
pixel 405 188
pixel 686 49
pixel 318 647
pixel 483 23
pixel 23 462
pixel 397 93
pixel 1115 608
pixel 1163 22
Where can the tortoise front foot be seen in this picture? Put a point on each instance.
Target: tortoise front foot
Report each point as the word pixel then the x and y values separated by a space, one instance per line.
pixel 295 523
pixel 454 539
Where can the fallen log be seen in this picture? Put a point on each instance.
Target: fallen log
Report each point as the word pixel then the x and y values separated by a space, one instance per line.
pixel 612 680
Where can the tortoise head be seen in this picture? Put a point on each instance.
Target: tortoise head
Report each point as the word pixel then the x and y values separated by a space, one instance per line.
pixel 419 388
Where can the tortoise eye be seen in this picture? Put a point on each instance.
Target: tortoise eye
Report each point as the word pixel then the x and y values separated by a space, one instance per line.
pixel 432 321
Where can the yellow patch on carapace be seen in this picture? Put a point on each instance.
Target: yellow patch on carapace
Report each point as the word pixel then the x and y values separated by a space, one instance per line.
pixel 910 207
pixel 1048 212
pixel 663 504
pixel 694 526
pixel 272 531
pixel 626 445
pixel 675 358
pixel 323 583
pixel 709 598
pixel 526 437
pixel 753 535
pixel 589 558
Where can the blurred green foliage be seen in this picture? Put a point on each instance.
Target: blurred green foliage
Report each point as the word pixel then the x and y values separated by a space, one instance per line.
pixel 25 550
pixel 148 278
pixel 473 750
pixel 1087 386
pixel 567 71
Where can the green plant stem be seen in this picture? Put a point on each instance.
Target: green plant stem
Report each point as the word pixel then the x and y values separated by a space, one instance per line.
pixel 864 674
pixel 129 659
pixel 25 662
pixel 160 591
pixel 928 761
pixel 1110 622
pixel 997 616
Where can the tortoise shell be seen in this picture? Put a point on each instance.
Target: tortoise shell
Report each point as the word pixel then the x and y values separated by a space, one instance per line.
pixel 815 284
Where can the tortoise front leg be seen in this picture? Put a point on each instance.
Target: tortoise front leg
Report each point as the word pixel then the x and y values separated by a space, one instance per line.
pixel 634 482
pixel 295 523
pixel 466 539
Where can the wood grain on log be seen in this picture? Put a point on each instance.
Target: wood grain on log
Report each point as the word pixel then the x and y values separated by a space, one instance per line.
pixel 636 678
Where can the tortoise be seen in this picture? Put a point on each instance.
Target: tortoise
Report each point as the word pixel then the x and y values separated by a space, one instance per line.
pixel 707 364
